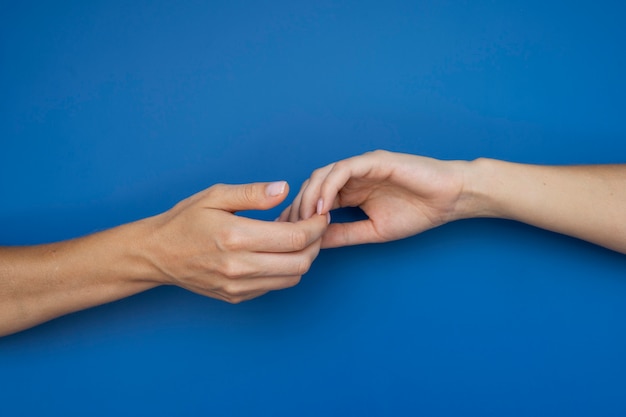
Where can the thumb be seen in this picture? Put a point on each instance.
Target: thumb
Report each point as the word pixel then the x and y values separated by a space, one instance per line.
pixel 254 196
pixel 352 233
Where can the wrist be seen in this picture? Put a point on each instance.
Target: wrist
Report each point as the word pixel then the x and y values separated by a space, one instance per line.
pixel 122 254
pixel 476 199
pixel 142 248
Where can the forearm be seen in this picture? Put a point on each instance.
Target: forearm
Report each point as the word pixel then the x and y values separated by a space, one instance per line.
pixel 588 202
pixel 39 283
pixel 199 244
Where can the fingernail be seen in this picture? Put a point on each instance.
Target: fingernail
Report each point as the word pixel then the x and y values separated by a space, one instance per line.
pixel 320 206
pixel 328 217
pixel 275 189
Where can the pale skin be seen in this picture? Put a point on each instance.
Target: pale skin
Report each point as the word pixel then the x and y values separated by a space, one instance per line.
pixel 200 245
pixel 404 194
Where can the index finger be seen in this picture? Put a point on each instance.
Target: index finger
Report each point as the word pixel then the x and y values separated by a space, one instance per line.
pixel 356 167
pixel 268 236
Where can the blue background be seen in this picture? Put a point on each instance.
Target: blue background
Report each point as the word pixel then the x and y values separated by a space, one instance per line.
pixel 111 111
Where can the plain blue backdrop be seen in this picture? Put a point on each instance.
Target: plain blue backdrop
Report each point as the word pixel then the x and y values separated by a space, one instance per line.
pixel 111 111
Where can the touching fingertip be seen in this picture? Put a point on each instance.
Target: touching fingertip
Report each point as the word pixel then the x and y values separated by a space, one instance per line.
pixel 328 217
pixel 275 189
pixel 320 206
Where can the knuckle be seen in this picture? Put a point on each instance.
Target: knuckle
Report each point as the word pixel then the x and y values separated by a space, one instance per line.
pixel 235 299
pixel 215 189
pixel 223 267
pixel 230 239
pixel 233 290
pixel 317 172
pixel 378 153
pixel 231 269
pixel 339 169
pixel 340 165
pixel 304 266
pixel 292 281
pixel 249 193
pixel 320 173
pixel 299 239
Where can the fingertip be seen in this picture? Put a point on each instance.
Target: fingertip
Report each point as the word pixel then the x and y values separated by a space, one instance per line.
pixel 275 193
pixel 320 206
pixel 318 223
pixel 275 189
pixel 284 216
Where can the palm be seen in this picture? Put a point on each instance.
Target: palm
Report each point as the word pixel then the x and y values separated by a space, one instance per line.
pixel 395 212
pixel 400 202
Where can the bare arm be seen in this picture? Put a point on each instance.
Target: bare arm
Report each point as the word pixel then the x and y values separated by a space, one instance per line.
pixel 405 194
pixel 199 245
pixel 39 283
pixel 587 202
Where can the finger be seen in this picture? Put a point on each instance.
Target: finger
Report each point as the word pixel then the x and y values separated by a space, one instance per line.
pixel 294 215
pixel 284 216
pixel 311 194
pixel 260 286
pixel 354 233
pixel 235 291
pixel 243 290
pixel 263 236
pixel 259 265
pixel 342 171
pixel 286 213
pixel 254 196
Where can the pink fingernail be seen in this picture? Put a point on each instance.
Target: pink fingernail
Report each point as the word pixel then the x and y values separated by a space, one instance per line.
pixel 328 217
pixel 275 189
pixel 320 206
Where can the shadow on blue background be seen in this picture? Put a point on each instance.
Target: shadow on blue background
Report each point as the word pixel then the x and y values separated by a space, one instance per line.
pixel 111 112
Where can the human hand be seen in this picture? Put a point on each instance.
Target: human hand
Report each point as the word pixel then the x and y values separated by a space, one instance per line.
pixel 401 194
pixel 202 246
